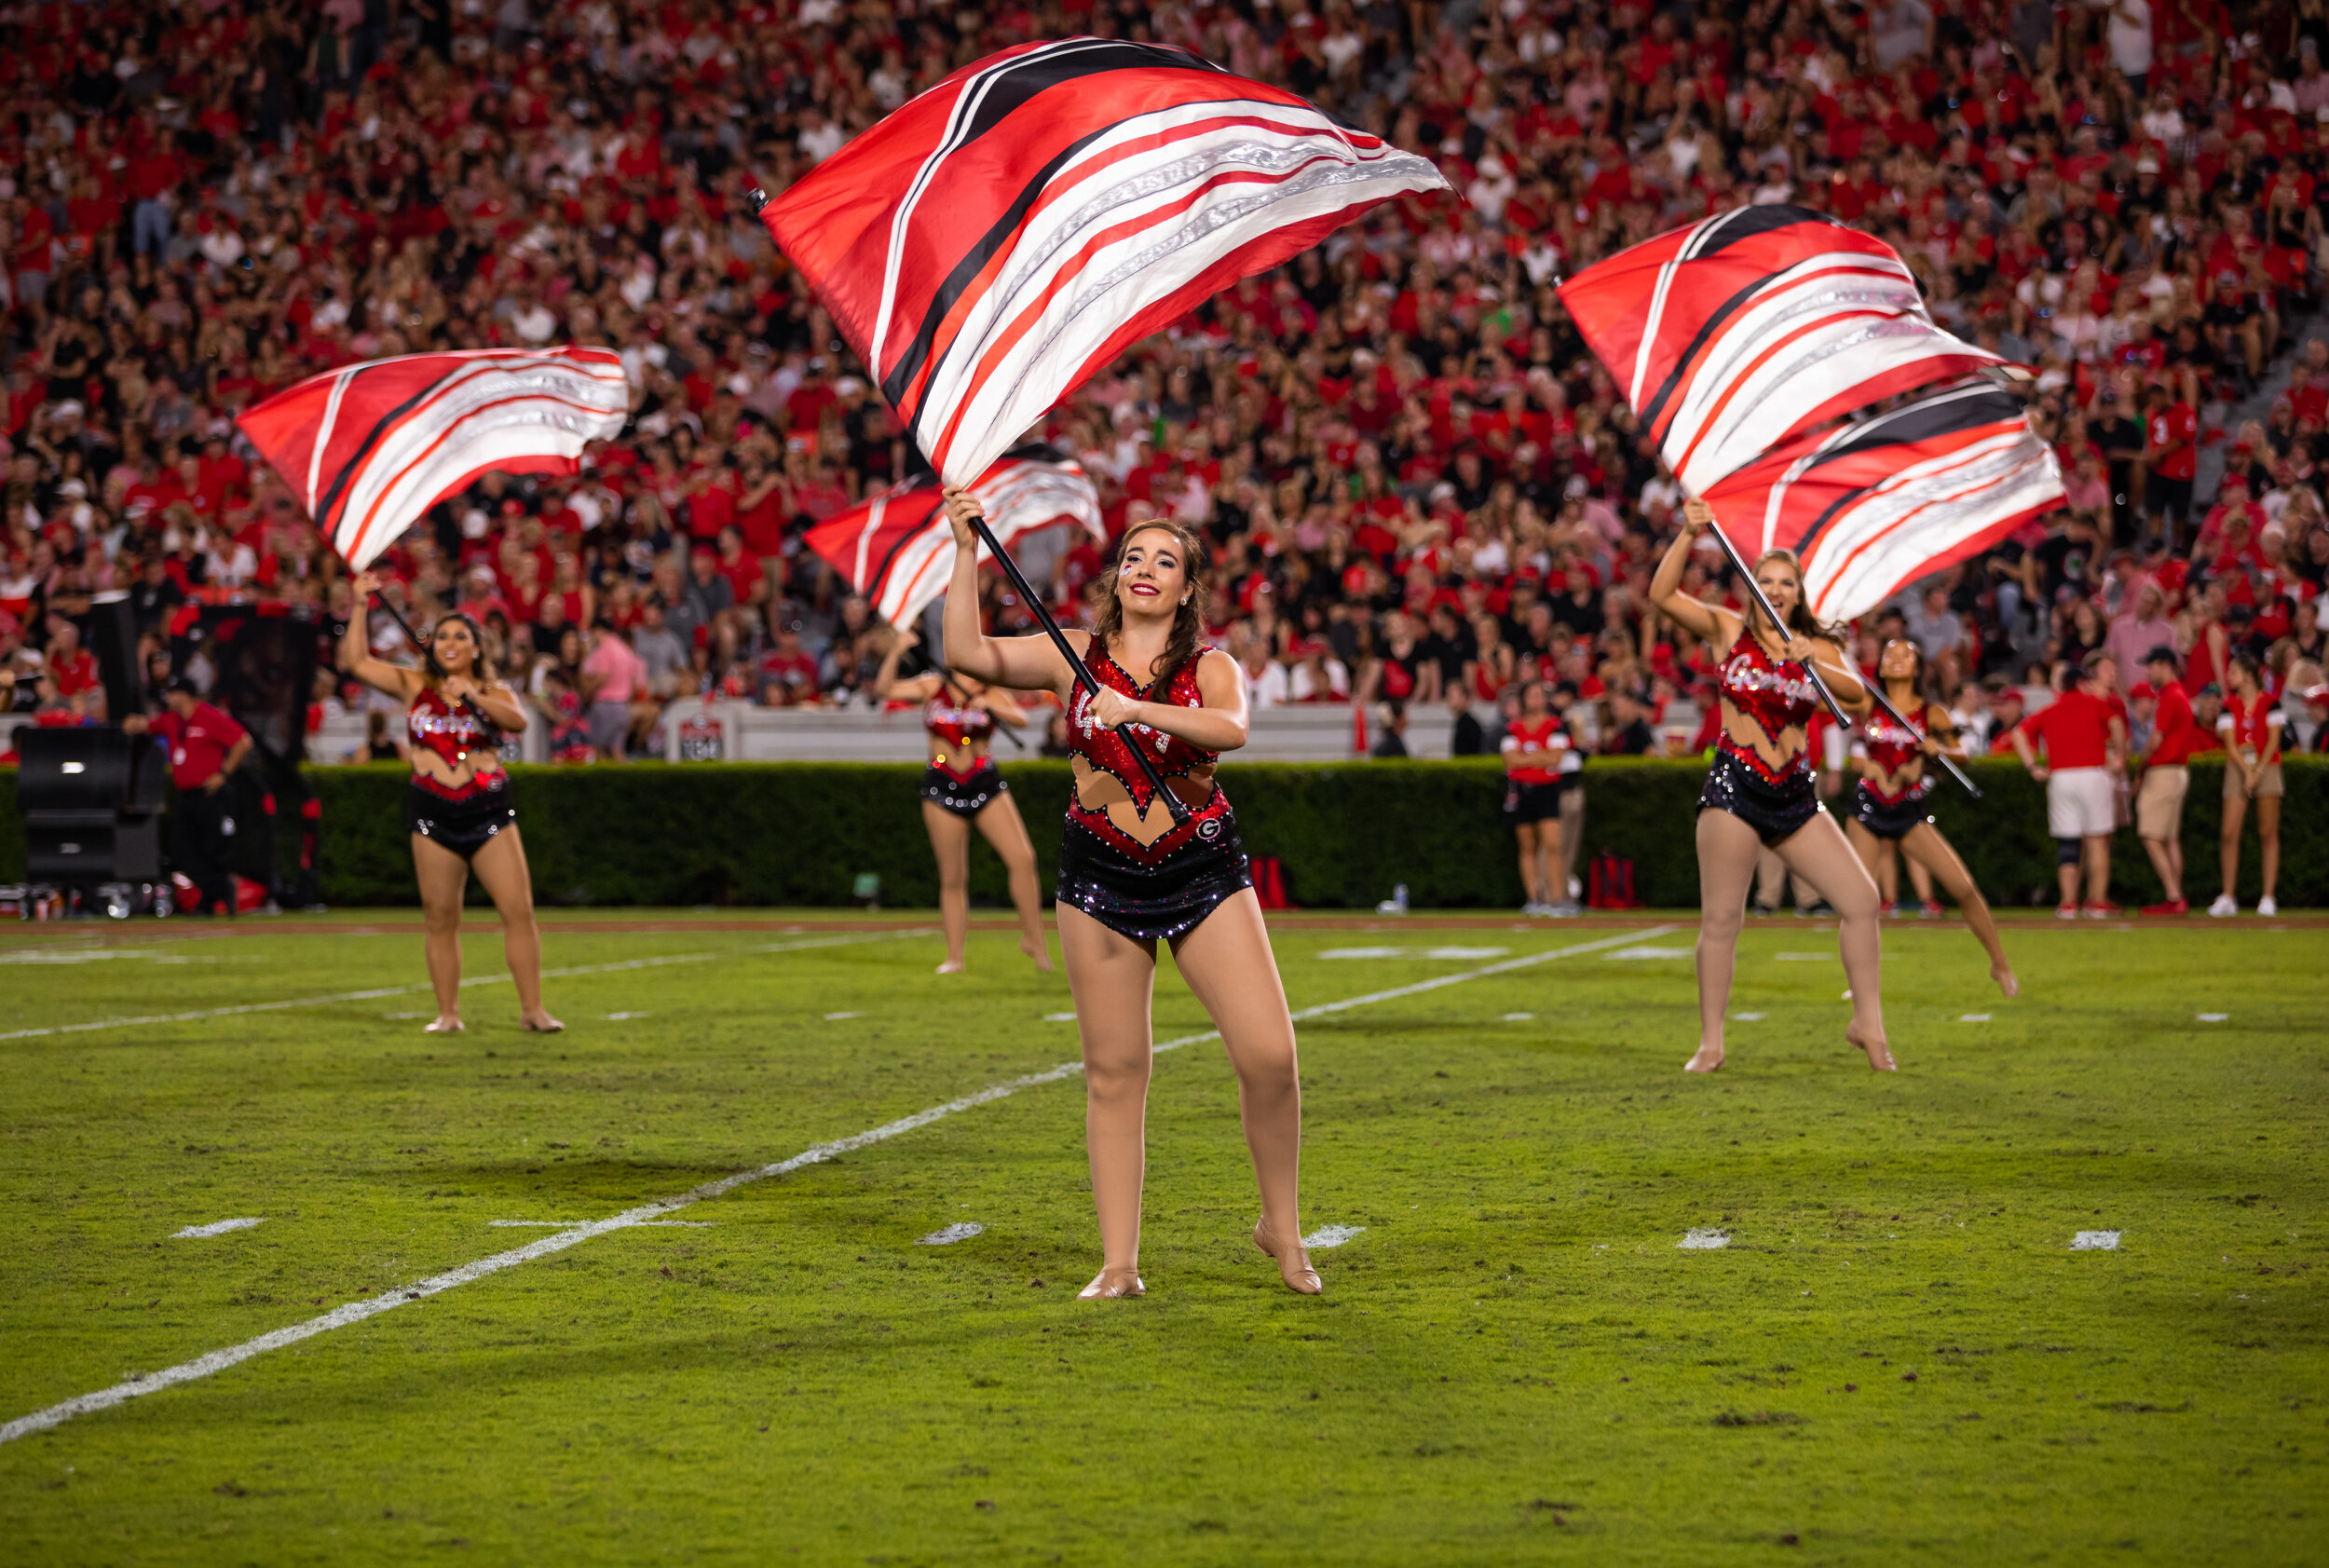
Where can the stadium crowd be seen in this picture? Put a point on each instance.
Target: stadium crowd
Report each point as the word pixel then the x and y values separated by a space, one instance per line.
pixel 1422 491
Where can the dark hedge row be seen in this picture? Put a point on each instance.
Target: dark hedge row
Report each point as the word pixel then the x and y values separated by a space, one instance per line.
pixel 802 833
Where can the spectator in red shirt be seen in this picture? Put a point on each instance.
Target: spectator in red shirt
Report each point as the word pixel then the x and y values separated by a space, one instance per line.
pixel 2166 779
pixel 70 664
pixel 2083 740
pixel 2171 451
pixel 205 747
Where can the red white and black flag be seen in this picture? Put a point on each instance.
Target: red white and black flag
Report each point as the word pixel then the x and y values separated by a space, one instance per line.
pixel 1870 507
pixel 995 242
pixel 898 550
pixel 1753 326
pixel 369 447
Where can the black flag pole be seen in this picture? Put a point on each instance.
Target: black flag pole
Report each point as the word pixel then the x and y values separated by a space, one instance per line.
pixel 1177 808
pixel 429 653
pixel 1876 690
pixel 757 199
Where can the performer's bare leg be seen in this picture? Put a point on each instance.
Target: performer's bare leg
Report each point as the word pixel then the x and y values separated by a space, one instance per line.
pixel 501 870
pixel 1816 852
pixel 1001 824
pixel 443 876
pixel 1228 963
pixel 1727 852
pixel 1925 847
pixel 950 841
pixel 1113 980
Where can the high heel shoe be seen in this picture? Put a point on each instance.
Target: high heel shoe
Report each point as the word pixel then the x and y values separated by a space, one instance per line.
pixel 1109 1284
pixel 1303 1280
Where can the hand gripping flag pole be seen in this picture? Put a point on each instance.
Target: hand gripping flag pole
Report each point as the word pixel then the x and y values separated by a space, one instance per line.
pixel 1876 690
pixel 1034 601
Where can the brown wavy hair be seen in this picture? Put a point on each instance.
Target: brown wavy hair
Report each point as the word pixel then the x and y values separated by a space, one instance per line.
pixel 1799 618
pixel 1187 622
pixel 481 668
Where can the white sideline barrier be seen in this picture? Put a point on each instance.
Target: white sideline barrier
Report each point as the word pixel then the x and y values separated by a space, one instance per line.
pixel 694 731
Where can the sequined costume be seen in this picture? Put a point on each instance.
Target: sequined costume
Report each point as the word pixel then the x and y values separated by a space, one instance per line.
pixel 954 725
pixel 1896 750
pixel 1775 804
pixel 1165 889
pixel 463 817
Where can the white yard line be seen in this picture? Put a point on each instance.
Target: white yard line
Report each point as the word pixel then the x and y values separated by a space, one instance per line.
pixel 501 979
pixel 650 1213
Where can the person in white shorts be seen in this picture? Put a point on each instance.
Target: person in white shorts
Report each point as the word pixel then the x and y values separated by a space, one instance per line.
pixel 2084 739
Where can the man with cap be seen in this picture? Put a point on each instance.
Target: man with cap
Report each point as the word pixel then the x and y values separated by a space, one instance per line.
pixel 2166 780
pixel 205 747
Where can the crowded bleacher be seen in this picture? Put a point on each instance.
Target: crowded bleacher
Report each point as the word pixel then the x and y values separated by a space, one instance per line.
pixel 1421 491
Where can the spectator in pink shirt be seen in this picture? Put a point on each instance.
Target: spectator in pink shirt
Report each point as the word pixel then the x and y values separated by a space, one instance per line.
pixel 612 676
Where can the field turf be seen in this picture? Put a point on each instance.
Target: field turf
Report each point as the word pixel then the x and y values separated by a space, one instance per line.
pixel 1897 1356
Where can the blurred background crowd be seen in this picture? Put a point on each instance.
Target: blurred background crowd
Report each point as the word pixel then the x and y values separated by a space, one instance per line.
pixel 1421 491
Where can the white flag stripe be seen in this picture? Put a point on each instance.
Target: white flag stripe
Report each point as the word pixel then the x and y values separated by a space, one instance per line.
pixel 482 411
pixel 1876 546
pixel 1898 529
pixel 1131 200
pixel 1053 351
pixel 1107 189
pixel 1019 498
pixel 1802 343
pixel 323 433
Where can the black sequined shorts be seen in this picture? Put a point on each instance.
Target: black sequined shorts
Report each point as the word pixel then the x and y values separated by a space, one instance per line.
pixel 465 826
pixel 1775 812
pixel 1147 903
pixel 964 797
pixel 1891 820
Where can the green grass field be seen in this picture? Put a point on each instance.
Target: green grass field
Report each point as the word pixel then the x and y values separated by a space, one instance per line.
pixel 1897 1356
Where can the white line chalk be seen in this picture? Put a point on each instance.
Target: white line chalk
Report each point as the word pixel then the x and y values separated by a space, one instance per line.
pixel 355 1312
pixel 2212 1017
pixel 961 1230
pixel 1332 1236
pixel 217 1228
pixel 1648 954
pixel 569 972
pixel 1973 1017
pixel 1703 1241
pixel 2094 1241
pixel 566 1224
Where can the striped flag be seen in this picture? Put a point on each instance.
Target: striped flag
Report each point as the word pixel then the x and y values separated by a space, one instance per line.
pixel 995 242
pixel 368 449
pixel 1871 507
pixel 898 550
pixel 1753 326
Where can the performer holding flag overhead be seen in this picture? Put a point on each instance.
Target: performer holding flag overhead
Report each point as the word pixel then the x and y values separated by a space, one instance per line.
pixel 367 449
pixel 1762 789
pixel 1741 341
pixel 985 250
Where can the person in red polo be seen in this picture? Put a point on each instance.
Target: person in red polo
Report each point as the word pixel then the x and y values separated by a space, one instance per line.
pixel 2084 740
pixel 2166 780
pixel 206 746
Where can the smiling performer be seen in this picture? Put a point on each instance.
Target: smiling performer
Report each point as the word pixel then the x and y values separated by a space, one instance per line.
pixel 1762 789
pixel 1129 875
pixel 458 804
pixel 1888 805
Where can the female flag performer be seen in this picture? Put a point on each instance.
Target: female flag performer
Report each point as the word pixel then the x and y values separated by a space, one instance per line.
pixel 1888 804
pixel 1130 876
pixel 963 787
pixel 1761 790
pixel 457 806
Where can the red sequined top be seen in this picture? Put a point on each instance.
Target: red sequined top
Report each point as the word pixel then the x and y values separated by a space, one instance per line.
pixel 1110 751
pixel 1777 698
pixel 1898 754
pixel 955 724
pixel 459 738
